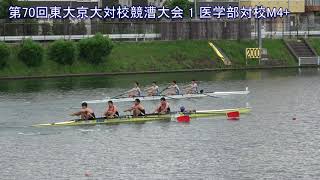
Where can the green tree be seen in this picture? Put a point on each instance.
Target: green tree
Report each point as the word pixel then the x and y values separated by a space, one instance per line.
pixel 95 49
pixel 4 7
pixel 4 54
pixel 5 4
pixel 30 53
pixel 62 52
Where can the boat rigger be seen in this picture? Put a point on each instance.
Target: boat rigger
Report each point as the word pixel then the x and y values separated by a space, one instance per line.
pixel 171 97
pixel 146 118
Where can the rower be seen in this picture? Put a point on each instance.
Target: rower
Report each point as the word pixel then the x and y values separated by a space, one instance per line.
pixel 137 109
pixel 163 107
pixel 173 89
pixel 111 111
pixel 153 90
pixel 135 92
pixel 86 113
pixel 192 88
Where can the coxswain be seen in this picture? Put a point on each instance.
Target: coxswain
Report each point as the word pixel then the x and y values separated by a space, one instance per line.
pixel 111 110
pixel 137 109
pixel 184 111
pixel 86 113
pixel 163 107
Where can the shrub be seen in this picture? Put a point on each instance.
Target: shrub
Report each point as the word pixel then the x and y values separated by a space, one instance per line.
pixel 62 52
pixel 94 49
pixel 30 53
pixel 4 54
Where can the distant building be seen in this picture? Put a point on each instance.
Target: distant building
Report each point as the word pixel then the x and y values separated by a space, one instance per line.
pixel 312 5
pixel 295 6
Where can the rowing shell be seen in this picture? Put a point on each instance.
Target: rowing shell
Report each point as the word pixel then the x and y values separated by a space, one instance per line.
pixel 169 97
pixel 129 119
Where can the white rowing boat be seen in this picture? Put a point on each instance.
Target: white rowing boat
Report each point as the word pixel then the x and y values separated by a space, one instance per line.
pixel 170 97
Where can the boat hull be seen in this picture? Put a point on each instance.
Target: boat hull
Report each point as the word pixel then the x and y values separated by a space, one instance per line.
pixel 167 117
pixel 170 97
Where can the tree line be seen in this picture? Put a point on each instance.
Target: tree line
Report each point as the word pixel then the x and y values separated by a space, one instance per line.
pixel 93 50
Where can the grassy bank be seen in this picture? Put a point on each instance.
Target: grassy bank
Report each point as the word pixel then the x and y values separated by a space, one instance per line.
pixel 129 57
pixel 155 56
pixel 276 48
pixel 315 43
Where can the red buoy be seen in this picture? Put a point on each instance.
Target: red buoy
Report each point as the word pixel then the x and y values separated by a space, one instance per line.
pixel 234 115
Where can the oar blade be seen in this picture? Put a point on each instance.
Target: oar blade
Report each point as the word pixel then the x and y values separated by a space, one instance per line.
pixel 233 115
pixel 183 119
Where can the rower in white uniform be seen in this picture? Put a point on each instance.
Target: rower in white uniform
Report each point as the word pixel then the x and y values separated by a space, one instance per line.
pixel 135 92
pixel 173 89
pixel 192 88
pixel 153 90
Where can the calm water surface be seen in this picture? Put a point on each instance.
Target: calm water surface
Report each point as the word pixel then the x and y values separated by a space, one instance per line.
pixel 267 144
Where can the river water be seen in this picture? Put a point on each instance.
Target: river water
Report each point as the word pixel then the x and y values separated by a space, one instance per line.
pixel 278 140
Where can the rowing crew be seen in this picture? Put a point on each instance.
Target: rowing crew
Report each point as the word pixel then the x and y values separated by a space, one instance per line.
pixel 111 111
pixel 153 90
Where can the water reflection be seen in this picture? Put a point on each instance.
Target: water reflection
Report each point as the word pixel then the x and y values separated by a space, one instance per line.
pixel 126 81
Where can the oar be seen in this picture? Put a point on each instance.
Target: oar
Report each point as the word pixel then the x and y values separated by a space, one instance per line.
pixel 210 95
pixel 164 89
pixel 201 92
pixel 119 95
pixel 166 96
pixel 183 119
pixel 127 116
pixel 108 97
pixel 72 108
pixel 103 118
